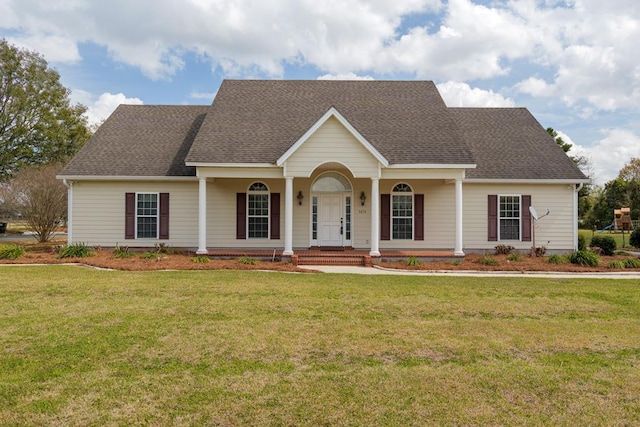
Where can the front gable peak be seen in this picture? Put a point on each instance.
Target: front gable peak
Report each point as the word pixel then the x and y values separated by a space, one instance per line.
pixel 332 113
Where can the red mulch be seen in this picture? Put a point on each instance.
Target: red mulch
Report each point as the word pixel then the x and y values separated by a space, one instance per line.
pixel 105 259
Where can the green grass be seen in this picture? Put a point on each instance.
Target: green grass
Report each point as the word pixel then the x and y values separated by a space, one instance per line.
pixel 617 236
pixel 86 347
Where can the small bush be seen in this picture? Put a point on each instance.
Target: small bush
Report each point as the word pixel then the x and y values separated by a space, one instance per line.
pixel 11 252
pixel 584 258
pixel 149 255
pixel 75 250
pixel 200 259
pixel 632 263
pixel 248 260
pixel 540 251
pixel 122 252
pixel 456 262
pixel 617 264
pixel 488 260
pixel 413 261
pixel 514 257
pixel 634 239
pixel 582 242
pixel 606 243
pixel 504 249
pixel 557 259
pixel 161 248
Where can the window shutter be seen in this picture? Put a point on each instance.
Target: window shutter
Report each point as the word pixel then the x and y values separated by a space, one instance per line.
pixel 274 218
pixel 241 215
pixel 493 218
pixel 385 217
pixel 525 202
pixel 418 217
pixel 164 216
pixel 130 215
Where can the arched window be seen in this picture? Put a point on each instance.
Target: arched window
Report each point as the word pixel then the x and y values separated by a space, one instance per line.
pixel 402 212
pixel 258 211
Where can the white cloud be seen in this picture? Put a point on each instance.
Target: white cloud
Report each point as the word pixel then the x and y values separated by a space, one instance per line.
pixel 98 109
pixel 203 95
pixel 344 76
pixel 53 48
pixel 535 87
pixel 456 94
pixel 609 154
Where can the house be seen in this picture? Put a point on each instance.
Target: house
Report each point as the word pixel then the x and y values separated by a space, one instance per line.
pixel 293 165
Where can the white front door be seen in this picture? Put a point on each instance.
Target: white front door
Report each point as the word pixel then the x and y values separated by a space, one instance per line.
pixel 330 224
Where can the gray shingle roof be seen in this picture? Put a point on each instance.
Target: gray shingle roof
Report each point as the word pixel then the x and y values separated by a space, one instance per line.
pixel 255 121
pixel 141 140
pixel 509 143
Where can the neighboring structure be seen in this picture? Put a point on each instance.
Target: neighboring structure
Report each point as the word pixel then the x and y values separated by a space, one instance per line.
pixel 291 165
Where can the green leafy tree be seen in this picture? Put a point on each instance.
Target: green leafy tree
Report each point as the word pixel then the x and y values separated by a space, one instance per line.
pixel 631 171
pixel 38 124
pixel 558 139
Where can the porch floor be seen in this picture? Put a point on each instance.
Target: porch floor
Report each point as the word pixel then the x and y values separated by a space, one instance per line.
pixel 335 256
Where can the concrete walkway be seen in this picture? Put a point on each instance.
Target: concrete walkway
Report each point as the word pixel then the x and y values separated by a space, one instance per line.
pixel 470 273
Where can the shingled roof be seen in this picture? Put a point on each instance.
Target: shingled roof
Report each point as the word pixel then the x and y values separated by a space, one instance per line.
pixel 141 140
pixel 256 121
pixel 509 143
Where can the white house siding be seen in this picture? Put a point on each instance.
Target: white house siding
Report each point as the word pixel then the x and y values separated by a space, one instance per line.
pixel 99 212
pixel 555 232
pixel 330 143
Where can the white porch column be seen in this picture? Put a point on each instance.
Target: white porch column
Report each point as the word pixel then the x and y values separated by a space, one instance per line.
pixel 202 216
pixel 375 217
pixel 288 216
pixel 458 244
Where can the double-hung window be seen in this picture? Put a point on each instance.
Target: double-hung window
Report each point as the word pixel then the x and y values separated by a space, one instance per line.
pixel 147 215
pixel 509 217
pixel 258 211
pixel 402 212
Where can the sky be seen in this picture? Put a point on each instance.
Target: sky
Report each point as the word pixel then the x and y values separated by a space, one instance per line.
pixel 575 64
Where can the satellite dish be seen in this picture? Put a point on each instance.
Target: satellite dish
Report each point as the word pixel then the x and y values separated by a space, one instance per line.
pixel 534 214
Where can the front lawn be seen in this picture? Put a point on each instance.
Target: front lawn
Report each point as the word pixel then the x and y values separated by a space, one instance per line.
pixel 86 347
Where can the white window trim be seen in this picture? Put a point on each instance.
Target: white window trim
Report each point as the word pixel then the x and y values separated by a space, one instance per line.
pixel 157 216
pixel 413 211
pixel 253 192
pixel 519 196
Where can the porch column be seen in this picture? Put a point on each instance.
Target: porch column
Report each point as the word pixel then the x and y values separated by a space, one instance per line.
pixel 458 245
pixel 202 216
pixel 288 216
pixel 375 217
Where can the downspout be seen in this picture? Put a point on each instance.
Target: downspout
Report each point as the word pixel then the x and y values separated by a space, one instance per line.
pixel 577 189
pixel 69 186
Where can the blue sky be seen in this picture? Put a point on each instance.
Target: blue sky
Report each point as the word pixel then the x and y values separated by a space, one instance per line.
pixel 572 63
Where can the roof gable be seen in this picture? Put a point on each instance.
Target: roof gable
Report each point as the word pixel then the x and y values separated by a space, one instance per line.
pixel 332 112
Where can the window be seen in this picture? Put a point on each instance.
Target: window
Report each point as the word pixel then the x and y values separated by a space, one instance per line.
pixel 509 218
pixel 314 217
pixel 147 215
pixel 258 211
pixel 402 212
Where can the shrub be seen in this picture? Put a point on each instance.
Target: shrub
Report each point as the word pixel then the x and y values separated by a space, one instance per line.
pixel 150 255
pixel 11 252
pixel 413 261
pixel 618 264
pixel 488 260
pixel 606 243
pixel 632 263
pixel 201 259
pixel 122 252
pixel 514 257
pixel 584 258
pixel 582 242
pixel 557 259
pixel 541 250
pixel 248 260
pixel 75 250
pixel 504 249
pixel 634 240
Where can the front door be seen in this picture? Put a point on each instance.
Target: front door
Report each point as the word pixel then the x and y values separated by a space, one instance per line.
pixel 331 231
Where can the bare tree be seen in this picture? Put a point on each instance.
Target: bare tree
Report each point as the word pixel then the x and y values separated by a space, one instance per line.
pixel 40 198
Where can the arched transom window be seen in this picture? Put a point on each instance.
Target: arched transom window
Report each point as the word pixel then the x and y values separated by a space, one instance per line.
pixel 258 211
pixel 331 182
pixel 402 212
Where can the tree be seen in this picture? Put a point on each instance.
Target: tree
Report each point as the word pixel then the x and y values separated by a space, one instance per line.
pixel 40 198
pixel 558 139
pixel 38 124
pixel 631 172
